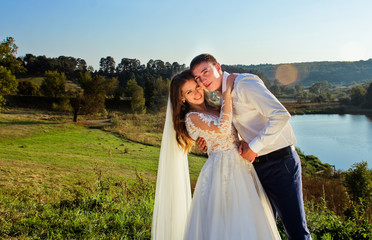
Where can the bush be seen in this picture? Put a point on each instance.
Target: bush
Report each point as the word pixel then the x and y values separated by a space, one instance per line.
pixel 63 106
pixel 53 84
pixel 324 223
pixel 100 210
pixel 28 88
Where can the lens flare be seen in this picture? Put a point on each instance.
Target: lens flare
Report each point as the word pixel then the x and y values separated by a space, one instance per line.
pixel 286 74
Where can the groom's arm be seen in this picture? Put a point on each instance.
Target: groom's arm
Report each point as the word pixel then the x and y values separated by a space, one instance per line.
pixel 254 92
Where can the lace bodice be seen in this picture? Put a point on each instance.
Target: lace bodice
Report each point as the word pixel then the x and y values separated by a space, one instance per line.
pixel 218 132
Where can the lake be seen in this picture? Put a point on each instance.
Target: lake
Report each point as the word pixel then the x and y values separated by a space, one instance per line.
pixel 339 140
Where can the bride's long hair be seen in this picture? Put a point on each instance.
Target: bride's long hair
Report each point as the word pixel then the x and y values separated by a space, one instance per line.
pixel 180 109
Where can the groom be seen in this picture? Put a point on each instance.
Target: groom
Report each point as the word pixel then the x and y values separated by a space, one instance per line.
pixel 268 138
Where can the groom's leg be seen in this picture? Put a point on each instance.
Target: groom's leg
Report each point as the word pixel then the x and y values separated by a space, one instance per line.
pixel 281 179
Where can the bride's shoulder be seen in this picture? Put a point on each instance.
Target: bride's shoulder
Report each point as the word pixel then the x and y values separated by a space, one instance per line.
pixel 199 118
pixel 193 115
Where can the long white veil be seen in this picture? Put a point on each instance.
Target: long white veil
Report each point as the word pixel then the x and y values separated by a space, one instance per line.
pixel 173 191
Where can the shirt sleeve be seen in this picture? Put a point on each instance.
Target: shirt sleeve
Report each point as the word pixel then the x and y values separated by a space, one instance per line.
pixel 252 90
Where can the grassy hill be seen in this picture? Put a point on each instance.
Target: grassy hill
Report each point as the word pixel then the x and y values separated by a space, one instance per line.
pixel 70 85
pixel 66 181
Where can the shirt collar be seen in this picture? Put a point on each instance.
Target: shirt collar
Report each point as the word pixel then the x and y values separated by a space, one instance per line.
pixel 224 77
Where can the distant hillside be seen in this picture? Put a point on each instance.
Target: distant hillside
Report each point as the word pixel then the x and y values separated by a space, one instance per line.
pixel 344 73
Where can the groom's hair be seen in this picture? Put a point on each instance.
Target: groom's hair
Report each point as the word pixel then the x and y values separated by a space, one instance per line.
pixel 204 57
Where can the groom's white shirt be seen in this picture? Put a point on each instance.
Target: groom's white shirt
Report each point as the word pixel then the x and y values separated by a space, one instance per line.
pixel 261 120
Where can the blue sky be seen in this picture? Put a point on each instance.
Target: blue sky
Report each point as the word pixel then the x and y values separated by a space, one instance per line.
pixel 235 31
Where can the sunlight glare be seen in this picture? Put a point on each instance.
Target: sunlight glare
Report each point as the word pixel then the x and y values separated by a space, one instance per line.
pixel 286 74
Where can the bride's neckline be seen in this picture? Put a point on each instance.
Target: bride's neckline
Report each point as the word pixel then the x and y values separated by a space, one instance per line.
pixel 208 112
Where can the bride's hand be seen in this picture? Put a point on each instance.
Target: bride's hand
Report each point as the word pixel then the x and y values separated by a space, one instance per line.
pixel 230 82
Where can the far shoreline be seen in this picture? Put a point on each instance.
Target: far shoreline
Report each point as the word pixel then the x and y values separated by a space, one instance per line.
pixel 325 108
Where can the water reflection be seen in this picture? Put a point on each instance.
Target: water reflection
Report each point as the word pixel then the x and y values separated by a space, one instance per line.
pixel 340 140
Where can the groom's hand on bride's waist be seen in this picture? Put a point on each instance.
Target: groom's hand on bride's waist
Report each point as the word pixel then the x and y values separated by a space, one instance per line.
pixel 246 152
pixel 202 144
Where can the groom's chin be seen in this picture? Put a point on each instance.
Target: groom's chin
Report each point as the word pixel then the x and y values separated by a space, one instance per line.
pixel 210 88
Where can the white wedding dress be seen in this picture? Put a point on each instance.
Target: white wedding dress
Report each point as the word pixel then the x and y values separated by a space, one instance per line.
pixel 229 201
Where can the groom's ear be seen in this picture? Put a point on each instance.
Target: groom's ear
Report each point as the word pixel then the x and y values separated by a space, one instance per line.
pixel 218 67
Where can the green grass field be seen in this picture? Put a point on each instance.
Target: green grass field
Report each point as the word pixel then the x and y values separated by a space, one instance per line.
pixel 96 179
pixel 70 181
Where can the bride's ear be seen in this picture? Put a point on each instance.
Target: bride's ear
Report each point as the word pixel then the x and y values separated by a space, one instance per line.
pixel 183 99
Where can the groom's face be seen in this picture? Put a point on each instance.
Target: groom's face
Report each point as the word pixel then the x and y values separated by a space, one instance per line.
pixel 209 75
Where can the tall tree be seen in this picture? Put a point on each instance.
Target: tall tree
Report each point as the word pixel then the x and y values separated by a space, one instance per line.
pixel 8 83
pixel 9 66
pixel 8 59
pixel 128 65
pixel 53 84
pixel 81 65
pixel 107 65
pixel 135 92
pixel 319 88
pixel 96 90
pixel 64 64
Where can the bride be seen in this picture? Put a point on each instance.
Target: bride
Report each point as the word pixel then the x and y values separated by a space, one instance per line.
pixel 229 201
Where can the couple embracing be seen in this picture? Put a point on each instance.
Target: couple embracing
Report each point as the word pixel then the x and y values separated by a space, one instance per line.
pixel 252 173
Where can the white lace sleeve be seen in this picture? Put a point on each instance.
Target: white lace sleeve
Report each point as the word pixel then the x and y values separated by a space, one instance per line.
pixel 201 125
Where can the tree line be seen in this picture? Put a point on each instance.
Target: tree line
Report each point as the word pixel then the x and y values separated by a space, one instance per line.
pixel 359 95
pixel 356 94
pixel 334 72
pixel 144 85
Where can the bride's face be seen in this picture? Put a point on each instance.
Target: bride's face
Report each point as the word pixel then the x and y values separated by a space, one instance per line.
pixel 192 92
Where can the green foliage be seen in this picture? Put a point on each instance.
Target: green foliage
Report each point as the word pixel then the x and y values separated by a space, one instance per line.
pixel 321 92
pixel 96 90
pixel 358 181
pixel 275 89
pixel 28 88
pixel 357 94
pixel 37 65
pixel 156 93
pixel 368 103
pixel 161 87
pixel 107 65
pixel 8 50
pixel 9 66
pixel 63 106
pixel 99 209
pixel 53 84
pixel 319 88
pixel 8 83
pixel 311 164
pixel 324 224
pixel 98 85
pixel 135 92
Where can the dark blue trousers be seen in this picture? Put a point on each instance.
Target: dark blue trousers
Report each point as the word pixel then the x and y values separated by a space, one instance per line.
pixel 281 179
